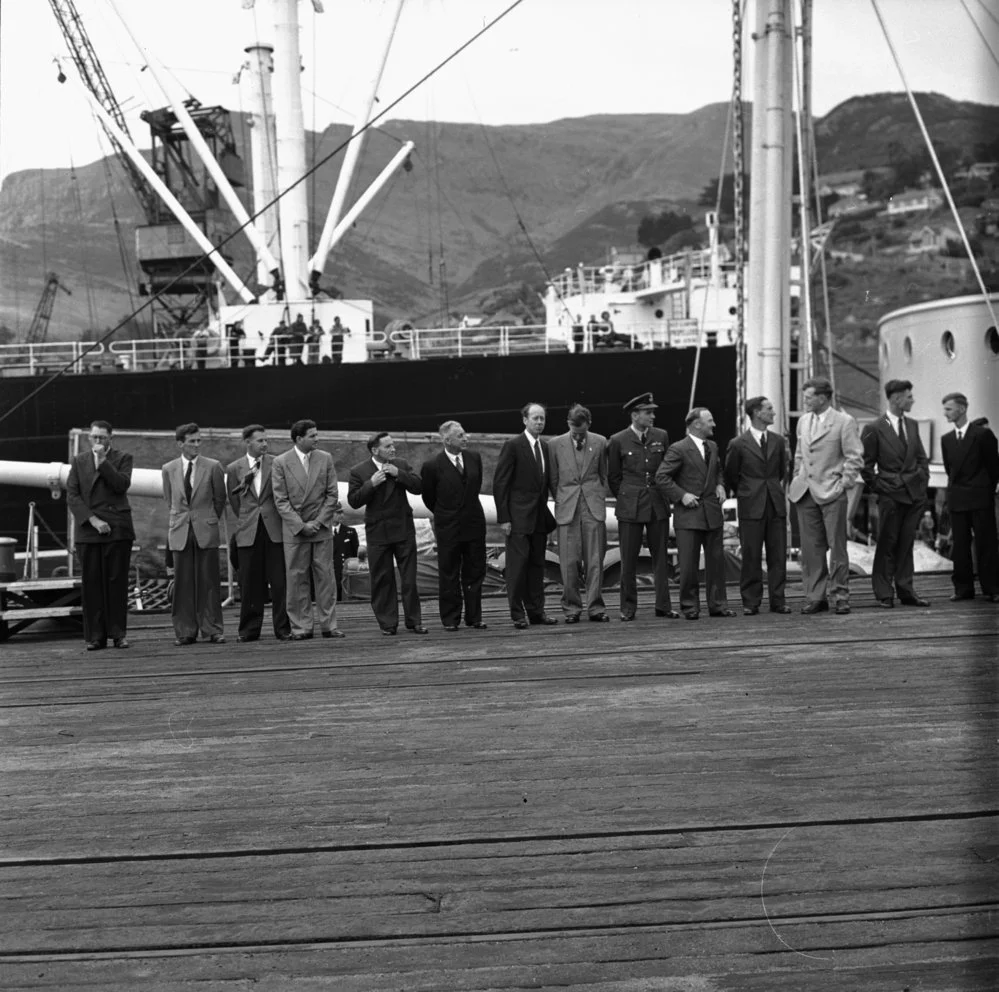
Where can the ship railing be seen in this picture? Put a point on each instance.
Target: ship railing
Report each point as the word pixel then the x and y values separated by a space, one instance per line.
pixel 464 342
pixel 624 278
pixel 49 356
pixel 149 354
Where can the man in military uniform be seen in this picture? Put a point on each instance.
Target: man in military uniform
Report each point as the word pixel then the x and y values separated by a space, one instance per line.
pixel 633 456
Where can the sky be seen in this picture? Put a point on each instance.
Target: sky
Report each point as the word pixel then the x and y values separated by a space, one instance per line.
pixel 546 60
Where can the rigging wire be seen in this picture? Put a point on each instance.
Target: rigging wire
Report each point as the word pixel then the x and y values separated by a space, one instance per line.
pixel 936 163
pixel 218 248
pixel 981 34
pixel 981 3
pixel 74 181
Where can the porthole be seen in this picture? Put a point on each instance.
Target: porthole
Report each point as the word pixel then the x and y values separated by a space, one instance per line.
pixel 992 340
pixel 659 315
pixel 947 343
pixel 907 350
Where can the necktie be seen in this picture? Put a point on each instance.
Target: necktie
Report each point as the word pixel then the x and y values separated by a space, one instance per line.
pixel 960 434
pixel 579 443
pixel 538 458
pixel 643 437
pixel 814 426
pixel 763 444
pixel 307 459
pixel 257 477
pixel 460 464
pixel 187 480
pixel 901 430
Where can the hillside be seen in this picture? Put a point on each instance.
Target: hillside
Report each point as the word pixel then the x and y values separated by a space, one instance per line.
pixel 580 186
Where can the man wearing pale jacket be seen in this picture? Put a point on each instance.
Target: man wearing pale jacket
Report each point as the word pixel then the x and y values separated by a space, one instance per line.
pixel 827 463
pixel 306 496
pixel 579 486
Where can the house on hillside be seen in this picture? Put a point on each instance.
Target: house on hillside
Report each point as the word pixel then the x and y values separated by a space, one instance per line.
pixel 852 206
pixel 913 201
pixel 983 170
pixel 931 239
pixel 987 221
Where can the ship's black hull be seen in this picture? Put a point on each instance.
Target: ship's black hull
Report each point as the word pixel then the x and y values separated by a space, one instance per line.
pixel 485 394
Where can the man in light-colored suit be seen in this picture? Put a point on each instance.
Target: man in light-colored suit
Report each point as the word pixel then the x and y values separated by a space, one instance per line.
pixel 897 469
pixel 827 463
pixel 194 489
pixel 690 475
pixel 579 486
pixel 258 538
pixel 306 496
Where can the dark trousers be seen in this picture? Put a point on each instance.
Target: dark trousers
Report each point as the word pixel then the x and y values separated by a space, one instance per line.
pixel 893 566
pixel 688 547
pixel 382 559
pixel 338 572
pixel 261 568
pixel 461 569
pixel 197 598
pixel 104 575
pixel 982 525
pixel 630 537
pixel 770 532
pixel 525 575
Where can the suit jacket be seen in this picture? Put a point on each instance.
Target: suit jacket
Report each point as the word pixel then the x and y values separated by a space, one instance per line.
pixel 388 517
pixel 206 506
pixel 250 508
pixel 754 481
pixel 572 480
pixel 345 545
pixel 102 493
pixel 684 471
pixel 521 494
pixel 299 499
pixel 972 468
pixel 453 500
pixel 903 472
pixel 631 475
pixel 828 464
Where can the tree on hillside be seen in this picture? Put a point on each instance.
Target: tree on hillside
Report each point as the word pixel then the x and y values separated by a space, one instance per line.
pixel 709 195
pixel 654 229
pixel 6 334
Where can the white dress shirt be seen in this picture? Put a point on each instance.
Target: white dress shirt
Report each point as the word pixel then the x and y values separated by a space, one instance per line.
pixel 535 441
pixel 700 445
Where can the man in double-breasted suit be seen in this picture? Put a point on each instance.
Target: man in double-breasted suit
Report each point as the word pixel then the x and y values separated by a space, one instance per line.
pixel 96 495
pixel 579 487
pixel 380 484
pixel 971 460
pixel 307 497
pixel 756 466
pixel 633 458
pixel 520 488
pixel 827 462
pixel 452 481
pixel 691 478
pixel 194 490
pixel 897 470
pixel 258 538
pixel 345 545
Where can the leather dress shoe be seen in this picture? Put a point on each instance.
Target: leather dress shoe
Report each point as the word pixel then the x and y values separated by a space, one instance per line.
pixel 625 618
pixel 599 618
pixel 820 607
pixel 886 604
pixel 544 621
pixel 521 624
pixel 722 613
pixel 750 611
pixel 842 608
pixel 246 638
pixel 283 637
pixel 182 642
pixel 388 631
pixel 668 614
pixel 915 601
pixel 216 639
pixel 572 619
pixel 301 637
pixel 336 632
pixel 95 645
pixel 452 627
pixel 958 596
pixel 781 609
pixel 121 643
pixel 479 626
pixel 691 614
pixel 418 629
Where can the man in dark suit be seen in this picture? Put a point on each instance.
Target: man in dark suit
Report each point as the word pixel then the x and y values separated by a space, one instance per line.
pixel 897 470
pixel 971 460
pixel 345 545
pixel 194 490
pixel 451 484
pixel 258 538
pixel 307 496
pixel 579 488
pixel 690 475
pixel 96 494
pixel 633 458
pixel 756 466
pixel 520 488
pixel 380 484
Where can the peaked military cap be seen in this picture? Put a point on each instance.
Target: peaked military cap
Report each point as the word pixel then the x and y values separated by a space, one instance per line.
pixel 643 401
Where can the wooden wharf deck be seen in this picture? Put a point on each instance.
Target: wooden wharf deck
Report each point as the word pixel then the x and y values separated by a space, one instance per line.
pixel 760 803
